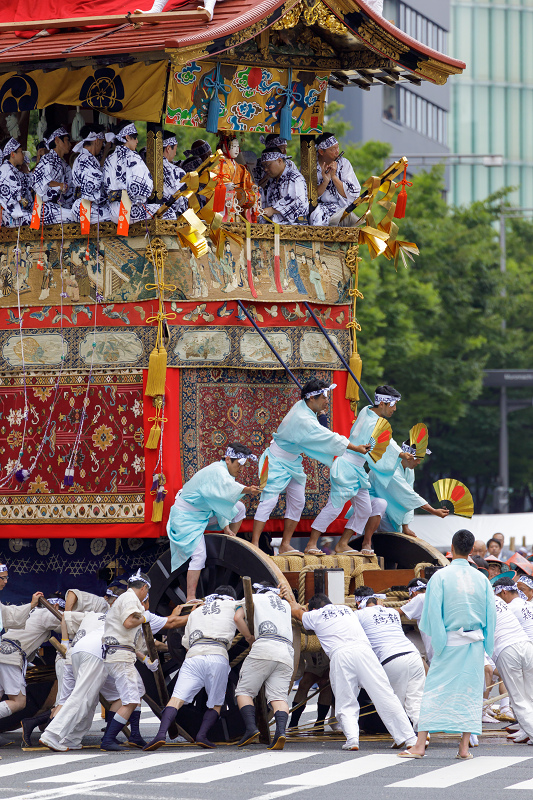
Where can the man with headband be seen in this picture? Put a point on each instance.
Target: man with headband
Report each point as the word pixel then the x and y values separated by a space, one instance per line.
pixel 211 496
pixel 208 635
pixel 125 172
pixel 51 179
pixel 353 665
pixel 270 662
pixel 299 433
pixel 337 185
pixel 172 175
pixel 398 656
pixel 412 610
pixel 285 194
pixel 513 652
pixel 273 141
pixel 15 209
pixel 87 175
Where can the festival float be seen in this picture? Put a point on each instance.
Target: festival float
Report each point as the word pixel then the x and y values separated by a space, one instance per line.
pixel 130 356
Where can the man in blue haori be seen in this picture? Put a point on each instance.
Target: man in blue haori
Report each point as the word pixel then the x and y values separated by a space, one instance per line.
pixel 127 178
pixel 15 208
pixel 460 616
pixel 349 481
pixel 285 194
pixel 337 184
pixel 51 179
pixel 299 433
pixel 211 496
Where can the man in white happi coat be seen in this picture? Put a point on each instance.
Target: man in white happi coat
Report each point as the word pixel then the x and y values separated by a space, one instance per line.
pixel 87 677
pixel 51 179
pixel 337 184
pixel 270 662
pixel 398 656
pixel 208 636
pixel 18 646
pixel 82 602
pixel 513 653
pixel 352 664
pixel 15 209
pixel 413 610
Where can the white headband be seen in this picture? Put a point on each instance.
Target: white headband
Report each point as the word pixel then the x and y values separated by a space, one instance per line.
pixel 109 593
pixel 416 588
pixel 241 457
pixel 507 588
pixel 272 156
pixel 11 147
pixel 170 142
pixel 127 130
pixel 3 567
pixel 211 597
pixel 276 141
pixel 56 601
pixel 139 577
pixel 58 132
pixel 523 579
pixel 260 589
pixel 364 600
pixel 406 448
pixel 327 143
pixel 386 398
pixel 109 137
pixel 325 391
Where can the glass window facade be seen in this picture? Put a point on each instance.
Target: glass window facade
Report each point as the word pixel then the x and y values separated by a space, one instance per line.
pixel 405 108
pixel 416 25
pixel 492 102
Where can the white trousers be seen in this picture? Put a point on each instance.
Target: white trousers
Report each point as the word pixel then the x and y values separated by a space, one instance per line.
pixel 407 677
pixel 199 672
pixel 199 555
pixel 295 502
pixel 74 719
pixel 515 666
pixel 353 667
pixel 378 508
pixel 68 682
pixel 362 509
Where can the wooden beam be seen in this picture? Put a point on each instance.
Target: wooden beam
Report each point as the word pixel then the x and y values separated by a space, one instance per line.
pixel 49 607
pixel 197 15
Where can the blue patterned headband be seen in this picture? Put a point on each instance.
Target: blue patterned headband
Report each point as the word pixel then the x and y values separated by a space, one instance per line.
pixel 58 132
pixel 325 391
pixel 241 457
pixel 386 398
pixel 170 142
pixel 127 130
pixel 138 576
pixel 11 147
pixel 272 156
pixel 329 142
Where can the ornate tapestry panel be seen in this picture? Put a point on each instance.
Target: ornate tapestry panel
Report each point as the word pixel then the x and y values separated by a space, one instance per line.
pixel 109 468
pixel 220 406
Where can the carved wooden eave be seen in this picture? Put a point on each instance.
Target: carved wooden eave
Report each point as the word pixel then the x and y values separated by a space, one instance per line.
pixel 343 37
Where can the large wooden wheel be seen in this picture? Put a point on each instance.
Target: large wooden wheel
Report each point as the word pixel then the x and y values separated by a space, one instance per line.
pixel 401 551
pixel 228 560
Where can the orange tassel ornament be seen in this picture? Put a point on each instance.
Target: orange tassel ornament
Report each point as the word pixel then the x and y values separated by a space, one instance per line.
pixel 401 202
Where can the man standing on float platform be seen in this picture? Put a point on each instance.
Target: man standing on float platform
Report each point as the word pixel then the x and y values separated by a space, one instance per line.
pixel 460 616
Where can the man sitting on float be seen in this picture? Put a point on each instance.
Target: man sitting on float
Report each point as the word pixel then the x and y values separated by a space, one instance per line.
pixel 87 177
pixel 285 194
pixel 337 184
pixel 14 207
pixel 51 179
pixel 127 178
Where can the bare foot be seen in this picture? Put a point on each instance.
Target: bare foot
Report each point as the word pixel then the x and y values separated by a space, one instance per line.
pixel 408 532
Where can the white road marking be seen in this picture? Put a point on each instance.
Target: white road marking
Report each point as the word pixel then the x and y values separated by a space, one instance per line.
pixel 360 765
pixel 66 791
pixel 43 762
pixel 522 785
pixel 230 769
pixel 458 773
pixel 122 767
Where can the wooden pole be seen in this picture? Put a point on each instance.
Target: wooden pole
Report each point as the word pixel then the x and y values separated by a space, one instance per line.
pixel 261 710
pixel 49 607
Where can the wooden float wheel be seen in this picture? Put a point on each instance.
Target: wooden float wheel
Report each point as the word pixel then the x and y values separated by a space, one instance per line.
pixel 228 560
pixel 402 552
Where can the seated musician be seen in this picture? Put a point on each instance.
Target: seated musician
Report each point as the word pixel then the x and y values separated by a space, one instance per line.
pixel 172 175
pixel 336 180
pixel 87 175
pixel 272 140
pixel 199 149
pixel 51 178
pixel 124 170
pixel 15 209
pixel 285 194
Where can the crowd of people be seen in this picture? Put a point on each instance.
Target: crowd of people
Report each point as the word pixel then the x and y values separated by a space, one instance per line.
pixel 471 626
pixel 102 178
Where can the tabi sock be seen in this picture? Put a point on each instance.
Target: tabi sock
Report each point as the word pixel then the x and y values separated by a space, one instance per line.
pixel 208 720
pixel 248 715
pixel 281 718
pixel 295 716
pixel 322 712
pixel 167 718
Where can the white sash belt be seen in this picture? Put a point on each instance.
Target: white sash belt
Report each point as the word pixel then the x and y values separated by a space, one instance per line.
pixel 279 453
pixel 460 637
pixel 183 505
pixel 354 458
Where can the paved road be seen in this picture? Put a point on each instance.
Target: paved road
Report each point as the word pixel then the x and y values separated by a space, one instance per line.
pixel 303 769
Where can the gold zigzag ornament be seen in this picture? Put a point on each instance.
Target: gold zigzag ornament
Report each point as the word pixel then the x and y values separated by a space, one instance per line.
pixel 457 494
pixel 381 436
pixel 418 438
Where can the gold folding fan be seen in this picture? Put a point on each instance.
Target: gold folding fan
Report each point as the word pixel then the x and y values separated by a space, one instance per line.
pixel 457 494
pixel 381 436
pixel 418 438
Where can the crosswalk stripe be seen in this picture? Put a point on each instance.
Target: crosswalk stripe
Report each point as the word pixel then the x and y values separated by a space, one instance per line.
pixel 50 794
pixel 458 773
pixel 522 785
pixel 340 772
pixel 43 762
pixel 230 769
pixel 125 766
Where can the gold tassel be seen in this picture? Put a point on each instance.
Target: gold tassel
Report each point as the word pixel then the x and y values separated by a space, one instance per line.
pixel 153 437
pixel 157 372
pixel 356 365
pixel 157 511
